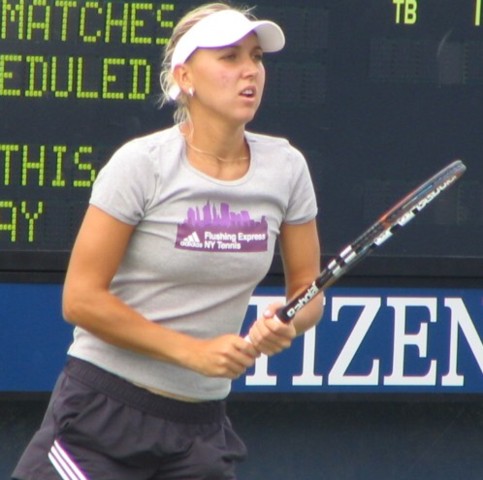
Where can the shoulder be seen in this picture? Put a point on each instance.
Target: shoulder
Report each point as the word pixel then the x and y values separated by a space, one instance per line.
pixel 143 157
pixel 149 153
pixel 278 147
pixel 152 142
pixel 264 140
pixel 277 153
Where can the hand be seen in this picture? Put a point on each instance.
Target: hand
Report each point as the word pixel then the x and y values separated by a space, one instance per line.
pixel 226 356
pixel 269 335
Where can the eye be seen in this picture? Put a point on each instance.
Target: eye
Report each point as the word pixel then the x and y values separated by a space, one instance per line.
pixel 229 55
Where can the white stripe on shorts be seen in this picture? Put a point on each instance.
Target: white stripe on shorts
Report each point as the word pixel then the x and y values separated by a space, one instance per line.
pixel 63 464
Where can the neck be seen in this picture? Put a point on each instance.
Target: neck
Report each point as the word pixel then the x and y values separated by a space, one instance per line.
pixel 217 157
pixel 227 147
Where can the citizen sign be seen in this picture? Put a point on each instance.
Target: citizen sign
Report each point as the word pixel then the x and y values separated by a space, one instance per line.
pixel 369 340
pixel 380 340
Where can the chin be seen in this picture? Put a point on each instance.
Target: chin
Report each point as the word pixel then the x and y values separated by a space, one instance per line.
pixel 246 118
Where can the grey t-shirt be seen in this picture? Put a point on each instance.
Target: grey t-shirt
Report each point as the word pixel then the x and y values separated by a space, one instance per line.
pixel 199 249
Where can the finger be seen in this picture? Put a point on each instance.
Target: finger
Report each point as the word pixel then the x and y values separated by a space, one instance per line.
pixel 281 329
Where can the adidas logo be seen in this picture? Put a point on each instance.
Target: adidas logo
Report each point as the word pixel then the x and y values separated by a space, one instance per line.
pixel 191 241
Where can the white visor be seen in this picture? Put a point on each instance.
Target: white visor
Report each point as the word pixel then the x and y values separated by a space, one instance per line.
pixel 221 29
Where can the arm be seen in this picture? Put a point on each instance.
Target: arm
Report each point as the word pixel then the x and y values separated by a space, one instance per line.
pixel 88 303
pixel 300 249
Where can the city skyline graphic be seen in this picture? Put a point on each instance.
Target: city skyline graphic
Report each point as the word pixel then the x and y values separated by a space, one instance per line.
pixel 218 228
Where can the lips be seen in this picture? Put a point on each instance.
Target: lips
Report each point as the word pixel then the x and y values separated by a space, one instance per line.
pixel 248 92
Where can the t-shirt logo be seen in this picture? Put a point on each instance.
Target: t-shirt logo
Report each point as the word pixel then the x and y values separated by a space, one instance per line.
pixel 218 229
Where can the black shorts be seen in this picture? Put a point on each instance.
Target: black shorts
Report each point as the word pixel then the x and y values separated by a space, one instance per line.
pixel 100 427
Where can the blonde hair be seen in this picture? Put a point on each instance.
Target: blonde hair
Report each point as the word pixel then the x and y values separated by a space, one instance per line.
pixel 181 113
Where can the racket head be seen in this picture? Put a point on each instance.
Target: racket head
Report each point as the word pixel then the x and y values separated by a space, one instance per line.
pixel 378 233
pixel 396 217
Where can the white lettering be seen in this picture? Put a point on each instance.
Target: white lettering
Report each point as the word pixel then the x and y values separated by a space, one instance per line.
pixel 221 237
pixel 461 318
pixel 405 344
pixel 311 292
pixel 190 244
pixel 435 193
pixel 403 339
pixel 337 375
pixel 228 246
pixel 250 237
pixel 308 376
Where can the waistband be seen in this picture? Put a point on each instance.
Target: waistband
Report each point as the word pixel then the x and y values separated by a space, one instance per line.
pixel 141 399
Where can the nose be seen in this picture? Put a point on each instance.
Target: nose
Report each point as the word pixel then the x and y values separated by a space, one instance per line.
pixel 251 66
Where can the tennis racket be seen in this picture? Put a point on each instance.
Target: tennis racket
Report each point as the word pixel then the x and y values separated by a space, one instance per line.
pixel 396 217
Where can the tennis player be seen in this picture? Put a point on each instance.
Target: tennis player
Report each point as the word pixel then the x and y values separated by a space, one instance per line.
pixel 182 225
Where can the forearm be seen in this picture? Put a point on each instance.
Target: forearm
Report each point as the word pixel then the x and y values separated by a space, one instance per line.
pixel 309 315
pixel 301 266
pixel 107 317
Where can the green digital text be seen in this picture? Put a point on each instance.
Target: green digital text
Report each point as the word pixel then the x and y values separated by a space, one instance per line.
pixel 86 21
pixel 75 77
pixel 33 178
pixel 46 166
pixel 14 213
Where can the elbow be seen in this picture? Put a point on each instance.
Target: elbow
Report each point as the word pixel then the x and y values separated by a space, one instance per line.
pixel 319 309
pixel 311 315
pixel 69 311
pixel 73 307
pixel 314 310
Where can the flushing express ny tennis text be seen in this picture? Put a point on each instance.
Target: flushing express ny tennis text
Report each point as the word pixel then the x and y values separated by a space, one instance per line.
pixel 67 53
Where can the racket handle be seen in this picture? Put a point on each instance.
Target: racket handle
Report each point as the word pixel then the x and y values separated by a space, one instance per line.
pixel 281 315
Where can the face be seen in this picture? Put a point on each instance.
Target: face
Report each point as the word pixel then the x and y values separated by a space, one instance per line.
pixel 228 81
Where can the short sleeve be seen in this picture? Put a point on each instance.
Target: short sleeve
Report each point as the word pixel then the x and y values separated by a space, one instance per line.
pixel 302 204
pixel 125 184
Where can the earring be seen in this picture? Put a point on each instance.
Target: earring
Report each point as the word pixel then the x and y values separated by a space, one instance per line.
pixel 191 91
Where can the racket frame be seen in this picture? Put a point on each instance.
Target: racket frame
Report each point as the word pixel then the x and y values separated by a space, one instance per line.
pixel 376 235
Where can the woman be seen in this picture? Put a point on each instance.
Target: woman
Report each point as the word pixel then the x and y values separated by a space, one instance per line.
pixel 181 227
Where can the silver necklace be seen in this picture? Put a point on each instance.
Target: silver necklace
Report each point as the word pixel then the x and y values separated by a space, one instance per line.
pixel 220 159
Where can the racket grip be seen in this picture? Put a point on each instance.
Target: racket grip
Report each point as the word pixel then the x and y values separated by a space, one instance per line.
pixel 281 315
